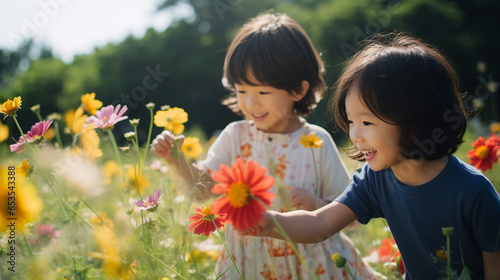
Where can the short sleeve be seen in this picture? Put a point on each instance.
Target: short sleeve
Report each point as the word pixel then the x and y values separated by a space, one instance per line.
pixel 486 219
pixel 334 174
pixel 221 150
pixel 360 197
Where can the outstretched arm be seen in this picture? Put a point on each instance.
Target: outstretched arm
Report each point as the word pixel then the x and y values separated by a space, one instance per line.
pixel 304 226
pixel 201 183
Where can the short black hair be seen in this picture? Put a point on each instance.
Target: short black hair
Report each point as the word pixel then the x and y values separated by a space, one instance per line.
pixel 276 51
pixel 408 83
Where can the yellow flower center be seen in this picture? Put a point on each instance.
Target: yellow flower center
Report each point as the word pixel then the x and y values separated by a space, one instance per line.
pixel 239 194
pixel 482 152
pixel 206 211
pixel 146 203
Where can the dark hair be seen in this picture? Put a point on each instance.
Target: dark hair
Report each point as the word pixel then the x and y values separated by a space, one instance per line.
pixel 408 83
pixel 276 51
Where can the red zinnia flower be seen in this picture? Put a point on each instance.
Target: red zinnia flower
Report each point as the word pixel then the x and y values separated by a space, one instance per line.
pixel 202 221
pixel 245 186
pixel 484 154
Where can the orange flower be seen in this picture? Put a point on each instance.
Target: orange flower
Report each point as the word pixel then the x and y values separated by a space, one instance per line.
pixel 385 251
pixel 202 221
pixel 245 186
pixel 485 153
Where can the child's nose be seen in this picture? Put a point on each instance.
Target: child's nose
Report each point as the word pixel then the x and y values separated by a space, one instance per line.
pixel 355 134
pixel 253 100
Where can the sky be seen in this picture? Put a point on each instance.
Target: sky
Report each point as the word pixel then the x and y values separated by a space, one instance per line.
pixel 71 27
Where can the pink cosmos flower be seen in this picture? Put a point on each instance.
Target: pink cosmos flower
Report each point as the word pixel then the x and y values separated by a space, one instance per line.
pixel 36 132
pixel 108 116
pixel 151 203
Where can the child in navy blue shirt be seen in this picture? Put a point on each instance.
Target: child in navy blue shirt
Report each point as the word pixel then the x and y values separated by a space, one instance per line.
pixel 399 100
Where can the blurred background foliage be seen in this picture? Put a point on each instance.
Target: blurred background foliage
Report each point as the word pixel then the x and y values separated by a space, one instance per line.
pixel 182 65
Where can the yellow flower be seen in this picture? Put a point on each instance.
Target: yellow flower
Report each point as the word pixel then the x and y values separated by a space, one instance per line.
pixel 201 256
pixel 75 120
pixel 495 127
pixel 108 246
pixel 50 133
pixel 27 206
pixel 4 132
pixel 102 220
pixel 136 181
pixel 24 168
pixel 312 141
pixel 338 260
pixel 89 140
pixel 10 107
pixel 111 170
pixel 441 254
pixel 191 147
pixel 171 119
pixel 90 103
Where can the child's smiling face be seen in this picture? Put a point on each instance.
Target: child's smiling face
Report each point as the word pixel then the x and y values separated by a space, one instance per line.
pixel 378 140
pixel 271 109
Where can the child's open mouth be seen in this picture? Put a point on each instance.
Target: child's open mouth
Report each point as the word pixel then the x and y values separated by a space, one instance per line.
pixel 369 154
pixel 259 117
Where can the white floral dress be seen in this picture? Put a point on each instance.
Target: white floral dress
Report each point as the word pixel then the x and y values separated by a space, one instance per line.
pixel 292 166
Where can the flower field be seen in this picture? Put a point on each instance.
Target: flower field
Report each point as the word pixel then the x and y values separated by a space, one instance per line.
pixel 90 208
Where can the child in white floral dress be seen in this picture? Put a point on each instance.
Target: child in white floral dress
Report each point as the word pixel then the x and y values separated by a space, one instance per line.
pixel 275 76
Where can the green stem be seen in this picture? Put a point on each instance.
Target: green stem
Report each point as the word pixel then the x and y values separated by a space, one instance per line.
pixel 149 135
pixel 349 271
pixel 115 146
pixel 227 249
pixel 93 211
pixel 67 205
pixel 316 188
pixel 39 116
pixel 136 145
pixel 58 135
pixel 136 174
pixel 176 151
pixel 161 263
pixel 27 245
pixel 448 268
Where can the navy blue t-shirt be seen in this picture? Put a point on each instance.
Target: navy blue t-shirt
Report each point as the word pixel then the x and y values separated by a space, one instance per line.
pixel 460 197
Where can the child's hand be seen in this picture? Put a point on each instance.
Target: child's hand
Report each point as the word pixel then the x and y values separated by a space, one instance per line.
pixel 303 199
pixel 260 228
pixel 163 143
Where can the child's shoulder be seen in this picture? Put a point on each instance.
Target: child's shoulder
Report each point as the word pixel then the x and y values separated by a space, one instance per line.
pixel 313 128
pixel 468 173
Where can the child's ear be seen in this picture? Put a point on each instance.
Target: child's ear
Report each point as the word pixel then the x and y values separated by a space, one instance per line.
pixel 298 95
